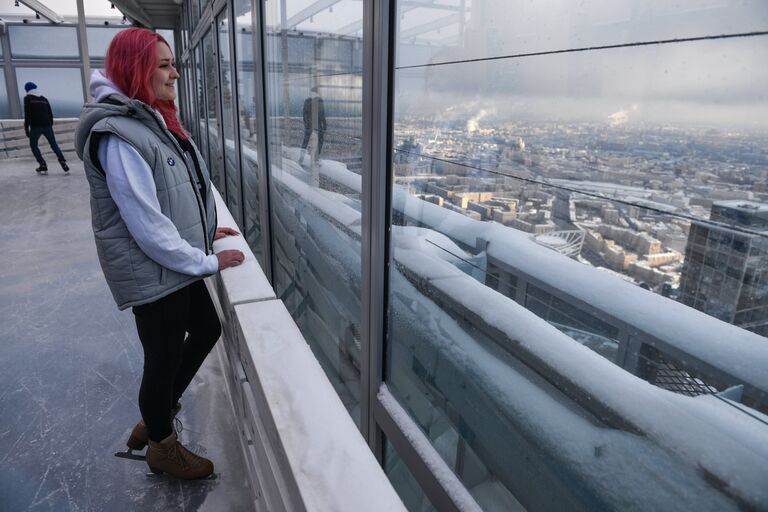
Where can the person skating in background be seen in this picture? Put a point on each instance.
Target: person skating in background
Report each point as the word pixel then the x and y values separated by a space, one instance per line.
pixel 38 120
pixel 314 120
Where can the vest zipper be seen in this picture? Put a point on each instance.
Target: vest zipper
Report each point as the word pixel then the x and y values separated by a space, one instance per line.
pixel 182 153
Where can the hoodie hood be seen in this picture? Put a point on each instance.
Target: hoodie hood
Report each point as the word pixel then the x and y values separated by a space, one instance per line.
pixel 109 102
pixel 101 86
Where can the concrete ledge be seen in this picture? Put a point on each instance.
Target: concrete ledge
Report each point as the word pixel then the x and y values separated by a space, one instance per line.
pixel 302 449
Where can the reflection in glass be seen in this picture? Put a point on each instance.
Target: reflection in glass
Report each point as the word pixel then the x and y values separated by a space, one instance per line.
pixel 228 121
pixel 62 86
pixel 99 39
pixel 36 41
pixel 246 94
pixel 314 97
pixel 577 250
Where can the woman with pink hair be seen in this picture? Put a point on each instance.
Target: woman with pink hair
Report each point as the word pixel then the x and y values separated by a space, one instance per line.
pixel 154 222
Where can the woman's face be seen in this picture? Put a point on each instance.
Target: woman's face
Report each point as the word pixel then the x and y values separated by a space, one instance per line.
pixel 165 75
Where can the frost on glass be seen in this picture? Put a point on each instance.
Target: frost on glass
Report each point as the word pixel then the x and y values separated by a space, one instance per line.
pixel 35 41
pixel 314 117
pixel 578 250
pixel 63 87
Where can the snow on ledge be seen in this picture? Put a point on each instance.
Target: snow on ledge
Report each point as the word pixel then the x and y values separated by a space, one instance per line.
pixel 246 282
pixel 331 463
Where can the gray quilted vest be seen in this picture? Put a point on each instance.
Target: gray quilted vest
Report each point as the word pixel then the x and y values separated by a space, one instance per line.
pixel 132 276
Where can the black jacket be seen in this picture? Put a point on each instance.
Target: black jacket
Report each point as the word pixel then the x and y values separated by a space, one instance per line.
pixel 37 112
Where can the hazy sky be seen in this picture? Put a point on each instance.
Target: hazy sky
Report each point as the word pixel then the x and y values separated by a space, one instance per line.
pixel 722 81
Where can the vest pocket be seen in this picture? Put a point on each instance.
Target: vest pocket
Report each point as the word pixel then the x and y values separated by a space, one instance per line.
pixel 163 274
pixel 147 273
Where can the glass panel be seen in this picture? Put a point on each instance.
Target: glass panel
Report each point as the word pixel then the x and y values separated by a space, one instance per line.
pixel 249 143
pixel 201 128
pixel 228 121
pixel 569 227
pixel 403 481
pixel 167 34
pixel 215 155
pixel 63 87
pixel 5 108
pixel 194 11
pixel 30 41
pixel 99 39
pixel 314 115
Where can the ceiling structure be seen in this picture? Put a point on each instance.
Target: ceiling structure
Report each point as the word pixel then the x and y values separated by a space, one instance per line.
pixel 152 13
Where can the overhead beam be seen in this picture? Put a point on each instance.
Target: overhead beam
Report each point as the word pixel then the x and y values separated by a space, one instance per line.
pixel 408 5
pixel 43 10
pixel 308 12
pixel 451 19
pixel 352 28
pixel 134 11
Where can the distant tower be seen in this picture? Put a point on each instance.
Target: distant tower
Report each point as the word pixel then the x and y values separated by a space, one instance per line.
pixel 726 272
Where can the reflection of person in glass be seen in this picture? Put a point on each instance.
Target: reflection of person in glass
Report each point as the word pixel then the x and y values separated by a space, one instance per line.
pixel 38 121
pixel 314 120
pixel 154 222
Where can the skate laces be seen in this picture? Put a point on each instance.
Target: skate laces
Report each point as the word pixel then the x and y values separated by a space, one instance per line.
pixel 176 453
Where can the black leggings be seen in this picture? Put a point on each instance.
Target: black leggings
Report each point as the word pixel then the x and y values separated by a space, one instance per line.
pixel 170 360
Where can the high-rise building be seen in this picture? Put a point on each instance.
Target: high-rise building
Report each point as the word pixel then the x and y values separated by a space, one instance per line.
pixel 726 271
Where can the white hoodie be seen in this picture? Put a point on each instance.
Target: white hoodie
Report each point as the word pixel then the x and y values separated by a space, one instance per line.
pixel 130 182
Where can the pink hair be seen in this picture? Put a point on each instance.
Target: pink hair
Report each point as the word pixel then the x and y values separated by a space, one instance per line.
pixel 131 59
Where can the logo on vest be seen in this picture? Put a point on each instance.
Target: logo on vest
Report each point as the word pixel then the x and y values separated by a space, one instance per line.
pixel 171 161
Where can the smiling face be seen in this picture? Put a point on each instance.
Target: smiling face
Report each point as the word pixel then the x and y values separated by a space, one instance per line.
pixel 165 75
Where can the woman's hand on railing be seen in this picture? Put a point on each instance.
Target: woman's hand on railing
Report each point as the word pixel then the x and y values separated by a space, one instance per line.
pixel 222 232
pixel 230 258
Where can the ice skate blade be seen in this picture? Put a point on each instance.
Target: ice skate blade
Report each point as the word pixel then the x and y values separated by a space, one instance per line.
pixel 130 455
pixel 212 476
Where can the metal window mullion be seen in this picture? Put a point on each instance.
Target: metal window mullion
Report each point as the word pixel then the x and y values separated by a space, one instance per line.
pixel 82 39
pixel 376 127
pixel 11 88
pixel 203 24
pixel 260 100
pixel 219 108
pixel 233 76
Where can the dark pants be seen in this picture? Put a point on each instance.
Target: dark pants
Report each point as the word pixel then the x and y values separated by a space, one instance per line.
pixel 170 360
pixel 34 135
pixel 308 133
